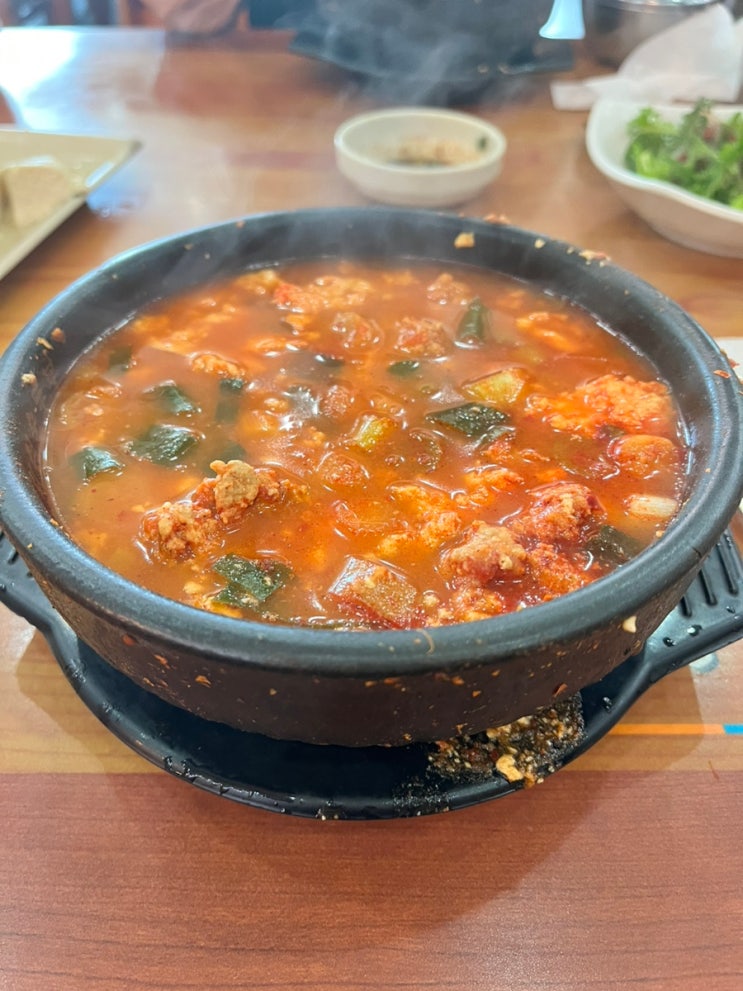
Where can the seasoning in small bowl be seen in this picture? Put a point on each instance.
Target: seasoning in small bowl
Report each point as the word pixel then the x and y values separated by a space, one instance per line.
pixel 419 156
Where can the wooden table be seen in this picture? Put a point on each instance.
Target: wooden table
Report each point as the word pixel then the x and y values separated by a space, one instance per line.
pixel 623 870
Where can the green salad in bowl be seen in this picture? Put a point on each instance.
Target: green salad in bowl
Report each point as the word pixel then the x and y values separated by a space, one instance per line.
pixel 679 168
pixel 701 153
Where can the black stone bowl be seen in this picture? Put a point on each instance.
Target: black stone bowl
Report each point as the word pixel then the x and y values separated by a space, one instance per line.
pixel 365 688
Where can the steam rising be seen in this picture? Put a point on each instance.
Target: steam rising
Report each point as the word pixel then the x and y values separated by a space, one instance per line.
pixel 427 51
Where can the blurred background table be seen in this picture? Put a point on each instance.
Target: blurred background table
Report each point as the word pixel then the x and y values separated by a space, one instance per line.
pixel 623 869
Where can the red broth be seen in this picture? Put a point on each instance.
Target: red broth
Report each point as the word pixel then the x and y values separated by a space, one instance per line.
pixel 359 446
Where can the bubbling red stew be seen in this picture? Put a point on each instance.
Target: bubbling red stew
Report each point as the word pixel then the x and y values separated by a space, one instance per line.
pixel 356 446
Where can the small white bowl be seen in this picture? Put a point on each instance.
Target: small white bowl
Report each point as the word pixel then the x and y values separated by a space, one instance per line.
pixel 420 157
pixel 682 217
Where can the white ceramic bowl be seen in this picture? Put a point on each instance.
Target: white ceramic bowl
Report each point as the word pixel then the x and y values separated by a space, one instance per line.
pixel 683 217
pixel 418 156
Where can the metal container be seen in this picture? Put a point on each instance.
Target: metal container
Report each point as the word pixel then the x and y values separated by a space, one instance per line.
pixel 615 27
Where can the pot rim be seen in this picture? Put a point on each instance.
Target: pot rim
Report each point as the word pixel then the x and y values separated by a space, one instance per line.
pixel 143 614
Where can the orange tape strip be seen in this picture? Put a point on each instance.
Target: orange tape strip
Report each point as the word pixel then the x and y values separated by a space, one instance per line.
pixel 668 729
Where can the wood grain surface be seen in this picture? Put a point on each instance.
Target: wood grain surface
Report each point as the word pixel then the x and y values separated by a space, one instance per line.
pixel 621 871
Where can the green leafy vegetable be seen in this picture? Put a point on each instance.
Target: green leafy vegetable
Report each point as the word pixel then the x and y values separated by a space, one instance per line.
pixel 471 419
pixel 701 154
pixel 474 323
pixel 163 444
pixel 404 369
pixel 120 359
pixel 230 391
pixel 91 461
pixel 250 583
pixel 612 546
pixel 230 386
pixel 171 398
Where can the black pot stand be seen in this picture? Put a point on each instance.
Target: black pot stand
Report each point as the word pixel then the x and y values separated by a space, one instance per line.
pixel 370 782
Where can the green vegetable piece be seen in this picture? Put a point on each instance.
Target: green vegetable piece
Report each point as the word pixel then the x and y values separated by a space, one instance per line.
pixel 371 430
pixel 164 444
pixel 612 546
pixel 233 595
pixel 230 391
pixel 501 388
pixel 231 386
pixel 120 359
pixel 500 430
pixel 403 369
pixel 91 461
pixel 171 398
pixel 474 323
pixel 471 419
pixel 250 582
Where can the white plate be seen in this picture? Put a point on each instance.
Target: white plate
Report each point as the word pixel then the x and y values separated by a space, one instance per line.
pixel 683 217
pixel 90 160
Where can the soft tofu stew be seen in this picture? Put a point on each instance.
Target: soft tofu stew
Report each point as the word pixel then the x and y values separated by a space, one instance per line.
pixel 361 446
